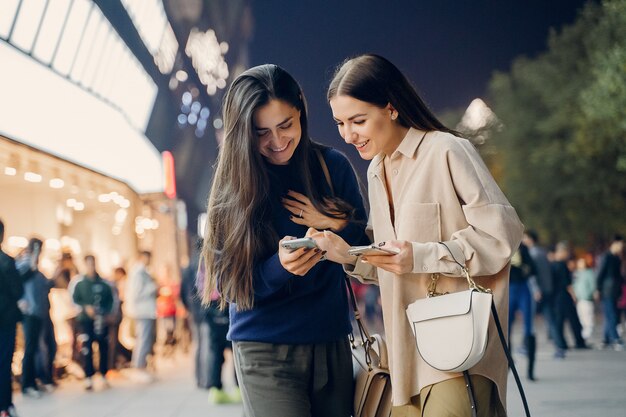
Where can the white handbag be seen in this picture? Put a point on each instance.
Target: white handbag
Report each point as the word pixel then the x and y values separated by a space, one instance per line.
pixel 451 330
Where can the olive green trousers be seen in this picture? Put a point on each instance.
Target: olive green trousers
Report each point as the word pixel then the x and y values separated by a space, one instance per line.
pixel 450 399
pixel 295 380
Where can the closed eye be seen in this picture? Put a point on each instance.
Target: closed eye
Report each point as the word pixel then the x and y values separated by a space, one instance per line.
pixel 359 122
pixel 287 126
pixel 261 133
pixel 338 123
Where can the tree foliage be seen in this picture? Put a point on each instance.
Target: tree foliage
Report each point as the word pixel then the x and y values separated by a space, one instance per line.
pixel 562 148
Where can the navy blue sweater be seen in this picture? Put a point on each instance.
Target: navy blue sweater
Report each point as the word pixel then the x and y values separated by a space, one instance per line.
pixel 290 309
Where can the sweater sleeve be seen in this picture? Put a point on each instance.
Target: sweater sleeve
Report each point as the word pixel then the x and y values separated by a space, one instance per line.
pixel 269 277
pixel 494 232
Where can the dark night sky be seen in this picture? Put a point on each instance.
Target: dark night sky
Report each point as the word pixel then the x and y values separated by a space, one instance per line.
pixel 449 49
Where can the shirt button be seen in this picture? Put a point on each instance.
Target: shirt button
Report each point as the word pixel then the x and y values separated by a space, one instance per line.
pixel 395 172
pixel 425 268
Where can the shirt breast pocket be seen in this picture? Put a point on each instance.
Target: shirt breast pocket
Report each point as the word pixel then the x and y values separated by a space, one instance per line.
pixel 419 222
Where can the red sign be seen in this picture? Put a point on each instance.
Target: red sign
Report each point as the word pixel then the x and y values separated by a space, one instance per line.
pixel 170 174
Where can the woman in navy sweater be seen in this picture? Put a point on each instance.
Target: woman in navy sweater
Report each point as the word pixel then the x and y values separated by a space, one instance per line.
pixel 289 316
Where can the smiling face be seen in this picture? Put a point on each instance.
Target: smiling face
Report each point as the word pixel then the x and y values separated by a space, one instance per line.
pixel 278 128
pixel 371 129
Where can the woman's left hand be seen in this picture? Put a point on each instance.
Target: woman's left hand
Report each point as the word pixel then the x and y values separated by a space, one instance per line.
pixel 399 264
pixel 304 213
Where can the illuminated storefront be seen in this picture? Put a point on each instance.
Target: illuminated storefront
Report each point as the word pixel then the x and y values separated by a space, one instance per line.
pixel 76 167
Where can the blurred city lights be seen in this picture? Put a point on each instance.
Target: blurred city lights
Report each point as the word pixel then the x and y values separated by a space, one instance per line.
pixel 207 57
pixel 104 198
pixel 17 241
pixel 32 177
pixel 56 183
pixel 181 76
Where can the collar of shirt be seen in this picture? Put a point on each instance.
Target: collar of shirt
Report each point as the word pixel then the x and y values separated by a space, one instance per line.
pixel 408 148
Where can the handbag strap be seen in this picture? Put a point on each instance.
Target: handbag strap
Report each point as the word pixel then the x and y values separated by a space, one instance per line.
pixel 325 170
pixel 505 346
pixel 470 393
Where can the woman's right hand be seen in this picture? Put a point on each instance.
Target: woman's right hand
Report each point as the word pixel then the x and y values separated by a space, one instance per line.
pixel 335 247
pixel 300 261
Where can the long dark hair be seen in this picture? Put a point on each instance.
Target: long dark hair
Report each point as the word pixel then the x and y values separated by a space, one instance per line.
pixel 238 230
pixel 375 80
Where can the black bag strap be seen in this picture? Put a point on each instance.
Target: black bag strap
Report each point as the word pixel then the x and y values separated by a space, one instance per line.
pixel 325 170
pixel 366 339
pixel 505 346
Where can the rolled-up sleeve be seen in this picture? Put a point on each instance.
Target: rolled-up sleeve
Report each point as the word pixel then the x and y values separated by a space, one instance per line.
pixel 494 230
pixel 365 273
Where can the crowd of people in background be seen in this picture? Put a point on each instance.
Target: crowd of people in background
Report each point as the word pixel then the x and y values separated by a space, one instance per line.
pixel 560 285
pixel 78 323
pixel 565 287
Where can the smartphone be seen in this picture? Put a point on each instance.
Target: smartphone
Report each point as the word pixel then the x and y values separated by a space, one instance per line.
pixel 372 250
pixel 305 242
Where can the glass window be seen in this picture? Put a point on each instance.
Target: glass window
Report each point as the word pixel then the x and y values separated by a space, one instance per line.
pixel 95 54
pixel 27 23
pixel 149 19
pixel 85 50
pixel 9 7
pixel 51 29
pixel 110 77
pixel 105 64
pixel 76 24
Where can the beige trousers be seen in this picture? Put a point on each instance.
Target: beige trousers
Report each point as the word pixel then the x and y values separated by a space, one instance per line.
pixel 450 399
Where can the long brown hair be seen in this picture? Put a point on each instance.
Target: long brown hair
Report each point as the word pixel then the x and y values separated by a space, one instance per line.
pixel 375 80
pixel 239 231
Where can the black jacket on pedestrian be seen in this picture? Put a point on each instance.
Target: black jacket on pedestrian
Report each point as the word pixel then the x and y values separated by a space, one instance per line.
pixel 189 294
pixel 610 277
pixel 11 290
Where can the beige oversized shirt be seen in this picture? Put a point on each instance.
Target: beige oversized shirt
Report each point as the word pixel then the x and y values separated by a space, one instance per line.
pixel 442 191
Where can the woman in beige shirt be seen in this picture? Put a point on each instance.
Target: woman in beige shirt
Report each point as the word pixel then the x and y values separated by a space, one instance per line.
pixel 426 185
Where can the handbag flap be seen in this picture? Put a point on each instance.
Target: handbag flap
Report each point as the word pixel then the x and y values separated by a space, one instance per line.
pixel 455 304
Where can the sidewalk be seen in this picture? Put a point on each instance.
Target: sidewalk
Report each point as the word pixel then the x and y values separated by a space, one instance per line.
pixel 586 383
pixel 173 395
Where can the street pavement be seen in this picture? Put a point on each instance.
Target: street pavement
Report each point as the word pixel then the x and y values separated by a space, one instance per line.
pixel 585 383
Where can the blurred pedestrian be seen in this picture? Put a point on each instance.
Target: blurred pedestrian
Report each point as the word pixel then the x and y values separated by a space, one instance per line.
pixel 118 354
pixel 35 307
pixel 542 283
pixel 217 321
pixel 520 299
pixel 565 309
pixel 140 305
pixel 95 298
pixel 584 287
pixel 11 290
pixel 167 300
pixel 198 321
pixel 609 287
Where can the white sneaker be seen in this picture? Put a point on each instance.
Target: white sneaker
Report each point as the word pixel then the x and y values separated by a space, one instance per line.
pixel 88 384
pixel 105 383
pixel 142 376
pixel 49 388
pixel 12 411
pixel 32 392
